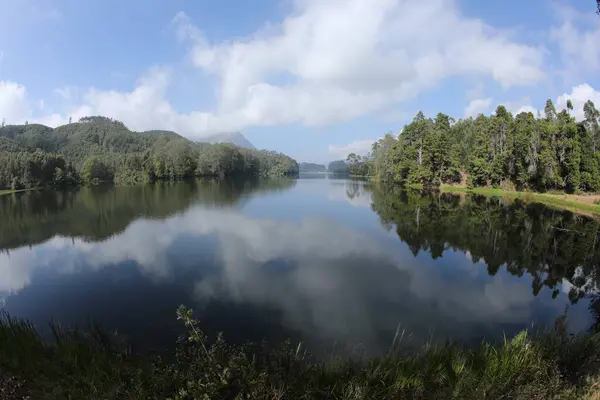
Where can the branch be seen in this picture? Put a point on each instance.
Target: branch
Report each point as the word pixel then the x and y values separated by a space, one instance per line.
pixel 566 230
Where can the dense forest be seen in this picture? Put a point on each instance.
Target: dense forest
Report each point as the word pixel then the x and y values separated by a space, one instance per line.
pixel 103 149
pixel 311 167
pixel 545 152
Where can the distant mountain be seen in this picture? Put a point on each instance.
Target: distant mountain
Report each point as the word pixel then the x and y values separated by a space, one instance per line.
pixel 312 167
pixel 235 138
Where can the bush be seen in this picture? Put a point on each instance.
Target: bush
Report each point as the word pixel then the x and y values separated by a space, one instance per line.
pixel 94 171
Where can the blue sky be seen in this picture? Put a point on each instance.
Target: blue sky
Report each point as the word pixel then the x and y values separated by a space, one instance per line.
pixel 311 78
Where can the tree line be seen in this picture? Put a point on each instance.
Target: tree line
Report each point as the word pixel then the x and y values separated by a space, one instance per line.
pixel 102 149
pixel 550 151
pixel 312 167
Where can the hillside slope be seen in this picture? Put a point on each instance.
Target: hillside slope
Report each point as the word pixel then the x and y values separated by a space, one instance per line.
pixel 311 167
pixel 99 148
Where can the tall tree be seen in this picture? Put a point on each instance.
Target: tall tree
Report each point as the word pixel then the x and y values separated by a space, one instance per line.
pixel 481 156
pixel 550 151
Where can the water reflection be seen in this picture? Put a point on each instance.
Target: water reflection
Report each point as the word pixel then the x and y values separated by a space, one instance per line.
pixel 549 245
pixel 305 259
pixel 97 213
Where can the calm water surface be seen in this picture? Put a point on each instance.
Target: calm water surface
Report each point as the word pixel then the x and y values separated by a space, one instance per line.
pixel 322 260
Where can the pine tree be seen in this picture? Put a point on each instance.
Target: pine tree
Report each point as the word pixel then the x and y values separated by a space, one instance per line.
pixel 543 152
pixel 591 123
pixel 524 150
pixel 479 163
pixel 571 162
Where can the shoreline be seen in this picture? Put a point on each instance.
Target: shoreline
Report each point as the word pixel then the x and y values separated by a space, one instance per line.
pixel 563 201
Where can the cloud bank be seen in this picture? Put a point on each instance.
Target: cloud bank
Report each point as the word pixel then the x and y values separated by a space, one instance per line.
pixel 326 62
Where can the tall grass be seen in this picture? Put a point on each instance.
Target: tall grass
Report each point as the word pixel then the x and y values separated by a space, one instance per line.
pixel 76 365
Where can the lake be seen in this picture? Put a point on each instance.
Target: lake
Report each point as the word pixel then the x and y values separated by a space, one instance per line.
pixel 336 263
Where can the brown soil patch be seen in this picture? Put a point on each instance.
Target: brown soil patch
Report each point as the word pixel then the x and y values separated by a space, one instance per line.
pixel 464 177
pixel 584 198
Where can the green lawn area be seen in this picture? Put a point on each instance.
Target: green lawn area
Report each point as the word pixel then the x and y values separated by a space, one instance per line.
pixel 562 201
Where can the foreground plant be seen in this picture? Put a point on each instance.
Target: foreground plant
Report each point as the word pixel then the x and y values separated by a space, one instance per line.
pixel 86 365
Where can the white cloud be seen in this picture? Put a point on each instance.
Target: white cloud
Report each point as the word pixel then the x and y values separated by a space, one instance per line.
pixel 326 62
pixel 360 147
pixel 15 271
pixel 348 58
pixel 13 102
pixel 578 39
pixel 478 106
pixel 579 96
pixel 332 282
pixel 142 108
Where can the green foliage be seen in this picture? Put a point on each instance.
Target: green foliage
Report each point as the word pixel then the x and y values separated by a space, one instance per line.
pixel 106 150
pixel 338 167
pixel 357 165
pixel 312 167
pixel 525 152
pixel 89 364
pixel 9 145
pixel 21 170
pixel 94 171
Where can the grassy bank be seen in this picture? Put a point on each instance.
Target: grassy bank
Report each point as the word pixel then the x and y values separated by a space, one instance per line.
pixel 563 201
pixel 574 203
pixel 86 366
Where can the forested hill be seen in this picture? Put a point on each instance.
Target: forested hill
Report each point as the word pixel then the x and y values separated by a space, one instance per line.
pixel 312 167
pixel 102 149
pixel 551 151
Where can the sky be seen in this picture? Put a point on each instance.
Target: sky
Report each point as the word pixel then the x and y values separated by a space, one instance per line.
pixel 315 79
